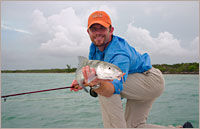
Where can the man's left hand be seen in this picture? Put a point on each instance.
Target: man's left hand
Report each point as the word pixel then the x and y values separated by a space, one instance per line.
pixel 89 73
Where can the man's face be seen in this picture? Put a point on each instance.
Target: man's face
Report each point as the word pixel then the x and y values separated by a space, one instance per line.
pixel 99 35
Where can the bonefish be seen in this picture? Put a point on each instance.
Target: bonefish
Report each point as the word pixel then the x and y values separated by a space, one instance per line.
pixel 104 70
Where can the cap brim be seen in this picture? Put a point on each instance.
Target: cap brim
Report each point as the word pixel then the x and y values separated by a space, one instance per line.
pixel 99 22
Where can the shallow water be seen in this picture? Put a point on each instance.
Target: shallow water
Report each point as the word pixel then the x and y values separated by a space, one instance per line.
pixel 66 109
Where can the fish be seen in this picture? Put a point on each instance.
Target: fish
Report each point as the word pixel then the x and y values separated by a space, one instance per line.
pixel 104 70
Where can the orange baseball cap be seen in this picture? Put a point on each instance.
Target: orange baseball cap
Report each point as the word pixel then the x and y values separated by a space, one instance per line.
pixel 99 17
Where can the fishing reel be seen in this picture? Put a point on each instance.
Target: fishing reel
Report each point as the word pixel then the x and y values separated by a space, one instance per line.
pixel 93 93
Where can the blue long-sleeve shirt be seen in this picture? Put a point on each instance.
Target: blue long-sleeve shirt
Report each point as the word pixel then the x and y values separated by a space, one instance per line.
pixel 120 53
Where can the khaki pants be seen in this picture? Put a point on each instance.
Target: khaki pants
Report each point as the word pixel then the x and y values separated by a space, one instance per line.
pixel 141 90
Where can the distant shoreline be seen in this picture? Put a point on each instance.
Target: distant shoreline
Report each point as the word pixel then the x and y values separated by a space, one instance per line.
pixel 29 71
pixel 181 73
pixel 183 68
pixel 74 72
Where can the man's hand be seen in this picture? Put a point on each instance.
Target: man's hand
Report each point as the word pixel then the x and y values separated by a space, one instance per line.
pixel 75 86
pixel 106 89
pixel 89 75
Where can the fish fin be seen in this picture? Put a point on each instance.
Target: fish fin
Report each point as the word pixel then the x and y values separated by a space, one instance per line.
pixel 81 84
pixel 85 89
pixel 91 78
pixel 82 61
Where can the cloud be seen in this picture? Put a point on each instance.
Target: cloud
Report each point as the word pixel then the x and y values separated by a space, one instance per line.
pixel 194 48
pixel 194 44
pixel 153 10
pixel 164 48
pixel 64 33
pixel 3 26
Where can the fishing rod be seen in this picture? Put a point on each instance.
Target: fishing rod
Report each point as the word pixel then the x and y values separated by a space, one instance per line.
pixel 5 96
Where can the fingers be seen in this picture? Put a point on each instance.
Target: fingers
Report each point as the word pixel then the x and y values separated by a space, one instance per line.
pixel 74 82
pixel 89 76
pixel 78 88
pixel 92 76
pixel 75 86
pixel 86 72
pixel 93 71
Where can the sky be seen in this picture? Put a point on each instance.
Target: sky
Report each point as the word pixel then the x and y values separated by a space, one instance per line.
pixel 52 34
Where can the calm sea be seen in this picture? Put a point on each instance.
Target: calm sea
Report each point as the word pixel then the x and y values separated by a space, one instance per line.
pixel 65 109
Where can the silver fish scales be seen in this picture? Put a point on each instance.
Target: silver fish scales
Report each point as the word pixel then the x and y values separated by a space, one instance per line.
pixel 104 70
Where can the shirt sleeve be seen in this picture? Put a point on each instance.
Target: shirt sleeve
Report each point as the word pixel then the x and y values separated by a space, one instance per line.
pixel 123 62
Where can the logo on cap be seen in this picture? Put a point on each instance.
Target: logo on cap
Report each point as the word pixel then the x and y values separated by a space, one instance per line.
pixel 97 15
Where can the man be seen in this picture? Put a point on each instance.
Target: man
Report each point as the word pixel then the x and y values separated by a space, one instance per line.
pixel 143 83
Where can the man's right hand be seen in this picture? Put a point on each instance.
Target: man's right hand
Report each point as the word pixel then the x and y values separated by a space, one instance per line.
pixel 75 86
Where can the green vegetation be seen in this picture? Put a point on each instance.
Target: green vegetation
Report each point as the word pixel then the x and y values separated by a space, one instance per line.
pixel 67 70
pixel 183 68
pixel 41 71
